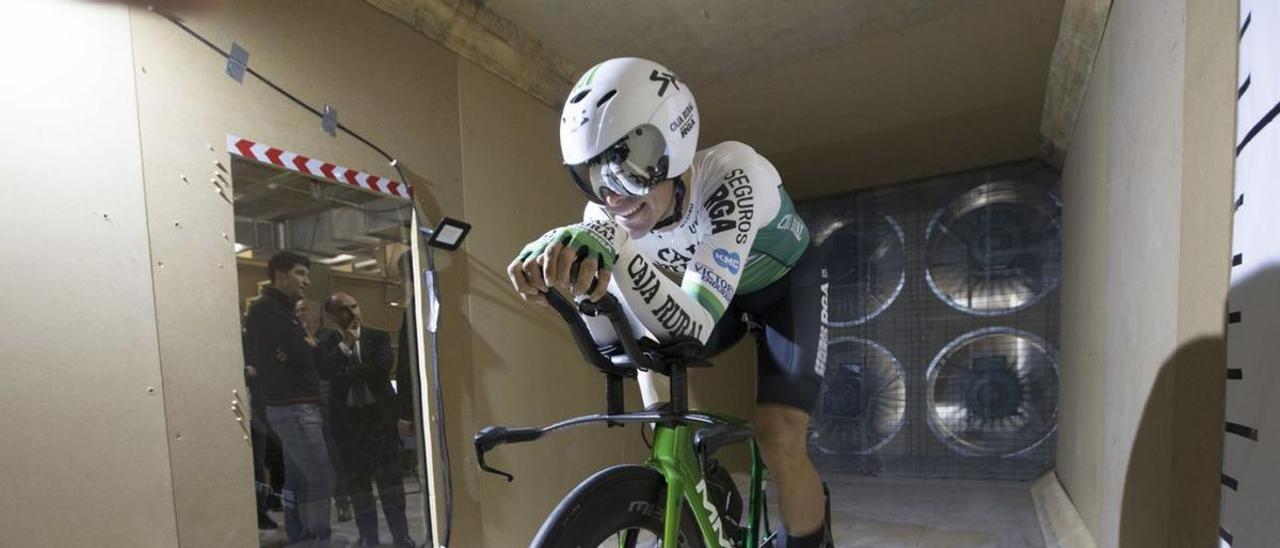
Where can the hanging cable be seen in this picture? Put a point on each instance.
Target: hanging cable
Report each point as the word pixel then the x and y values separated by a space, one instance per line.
pixel 431 269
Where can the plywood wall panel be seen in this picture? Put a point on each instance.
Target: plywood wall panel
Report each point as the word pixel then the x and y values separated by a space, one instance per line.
pixel 397 90
pixel 85 457
pixel 524 359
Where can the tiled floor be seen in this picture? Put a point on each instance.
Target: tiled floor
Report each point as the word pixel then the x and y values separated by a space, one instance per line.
pixel 907 513
pixel 345 532
pixel 865 512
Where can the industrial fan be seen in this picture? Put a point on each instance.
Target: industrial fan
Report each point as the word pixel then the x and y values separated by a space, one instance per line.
pixel 995 249
pixel 863 400
pixel 993 392
pixel 864 263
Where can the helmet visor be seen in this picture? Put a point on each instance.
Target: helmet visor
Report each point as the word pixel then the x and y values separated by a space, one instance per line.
pixel 597 180
pixel 630 167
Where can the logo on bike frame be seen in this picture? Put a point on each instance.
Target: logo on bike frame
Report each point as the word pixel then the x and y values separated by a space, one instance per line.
pixel 711 509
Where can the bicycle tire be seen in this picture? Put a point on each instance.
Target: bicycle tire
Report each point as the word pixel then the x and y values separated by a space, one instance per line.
pixel 612 501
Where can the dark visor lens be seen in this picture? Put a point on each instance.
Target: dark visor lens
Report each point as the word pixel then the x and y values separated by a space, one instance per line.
pixel 581 175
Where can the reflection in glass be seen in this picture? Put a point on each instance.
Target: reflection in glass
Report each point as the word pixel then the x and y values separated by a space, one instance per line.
pixel 353 313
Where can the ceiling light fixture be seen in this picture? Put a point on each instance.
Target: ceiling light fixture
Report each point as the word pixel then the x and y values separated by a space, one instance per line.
pixel 336 259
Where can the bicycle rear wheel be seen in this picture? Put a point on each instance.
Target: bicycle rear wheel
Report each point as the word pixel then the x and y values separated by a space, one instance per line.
pixel 621 506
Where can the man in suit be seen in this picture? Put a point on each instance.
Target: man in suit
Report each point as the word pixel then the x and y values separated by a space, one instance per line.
pixel 364 420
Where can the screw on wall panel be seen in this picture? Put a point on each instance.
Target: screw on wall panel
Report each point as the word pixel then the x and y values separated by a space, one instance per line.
pixel 151 390
pixel 218 165
pixel 219 266
pixel 160 264
pixel 178 435
pixel 184 179
pixel 177 224
pixel 224 236
pixel 142 68
pixel 210 145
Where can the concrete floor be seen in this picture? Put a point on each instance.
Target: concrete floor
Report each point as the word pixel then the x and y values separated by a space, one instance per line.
pixel 909 513
pixel 865 512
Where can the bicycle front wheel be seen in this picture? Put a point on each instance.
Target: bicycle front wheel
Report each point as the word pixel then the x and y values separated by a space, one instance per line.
pixel 618 507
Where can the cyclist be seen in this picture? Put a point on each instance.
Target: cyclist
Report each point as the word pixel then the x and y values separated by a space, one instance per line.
pixel 694 243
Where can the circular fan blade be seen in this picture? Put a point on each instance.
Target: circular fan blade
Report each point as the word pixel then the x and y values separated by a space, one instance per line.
pixel 996 249
pixel 994 392
pixel 863 402
pixel 864 262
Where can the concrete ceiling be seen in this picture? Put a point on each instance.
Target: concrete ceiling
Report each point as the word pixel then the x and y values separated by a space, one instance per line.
pixel 839 94
pixel 819 85
pixel 713 40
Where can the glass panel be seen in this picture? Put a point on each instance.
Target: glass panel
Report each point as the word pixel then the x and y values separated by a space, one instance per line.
pixel 329 360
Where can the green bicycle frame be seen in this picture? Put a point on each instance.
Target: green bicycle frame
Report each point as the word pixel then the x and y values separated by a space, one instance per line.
pixel 673 456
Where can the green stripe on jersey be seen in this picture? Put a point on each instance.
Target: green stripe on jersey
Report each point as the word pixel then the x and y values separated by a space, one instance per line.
pixel 761 271
pixel 777 248
pixel 708 300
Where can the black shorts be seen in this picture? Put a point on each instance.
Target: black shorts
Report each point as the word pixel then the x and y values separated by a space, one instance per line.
pixel 788 321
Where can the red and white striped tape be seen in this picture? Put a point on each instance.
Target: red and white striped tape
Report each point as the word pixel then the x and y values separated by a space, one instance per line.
pixel 316 168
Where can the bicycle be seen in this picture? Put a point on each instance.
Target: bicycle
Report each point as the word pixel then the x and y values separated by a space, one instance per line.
pixel 680 496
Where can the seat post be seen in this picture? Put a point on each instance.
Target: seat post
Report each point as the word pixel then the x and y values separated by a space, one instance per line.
pixel 679 389
pixel 615 398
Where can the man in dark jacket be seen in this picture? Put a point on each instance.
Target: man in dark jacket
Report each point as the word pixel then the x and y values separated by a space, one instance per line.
pixel 286 358
pixel 364 420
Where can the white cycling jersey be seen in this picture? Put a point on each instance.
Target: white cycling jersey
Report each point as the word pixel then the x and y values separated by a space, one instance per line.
pixel 739 233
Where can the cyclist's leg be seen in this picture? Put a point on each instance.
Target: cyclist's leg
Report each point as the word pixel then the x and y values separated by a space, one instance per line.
pixel 790 361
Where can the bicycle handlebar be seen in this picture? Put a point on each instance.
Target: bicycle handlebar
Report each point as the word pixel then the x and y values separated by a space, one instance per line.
pixel 668 360
pixel 609 307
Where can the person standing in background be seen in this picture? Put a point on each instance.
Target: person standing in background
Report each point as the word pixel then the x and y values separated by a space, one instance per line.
pixel 285 357
pixel 312 318
pixel 364 420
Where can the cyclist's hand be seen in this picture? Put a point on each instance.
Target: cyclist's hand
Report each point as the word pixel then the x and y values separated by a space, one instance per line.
pixel 576 255
pixel 526 270
pixel 550 261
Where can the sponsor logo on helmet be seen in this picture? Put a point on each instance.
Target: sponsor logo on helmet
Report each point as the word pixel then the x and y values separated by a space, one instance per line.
pixel 729 260
pixel 685 122
pixel 586 78
pixel 666 78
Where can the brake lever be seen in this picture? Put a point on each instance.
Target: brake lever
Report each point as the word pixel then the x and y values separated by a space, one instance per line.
pixel 490 469
pixel 486 439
